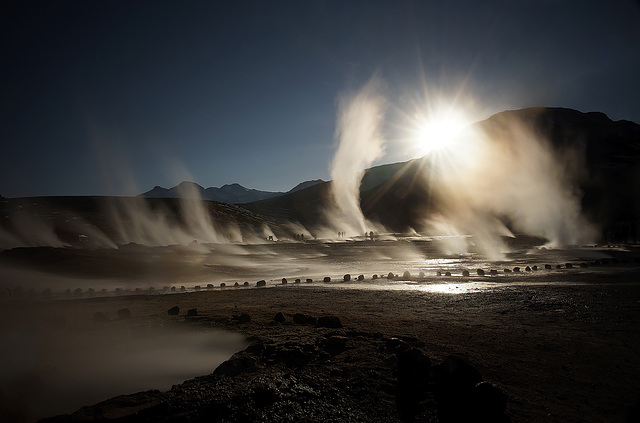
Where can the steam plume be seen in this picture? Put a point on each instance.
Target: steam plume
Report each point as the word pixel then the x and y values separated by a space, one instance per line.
pixel 360 143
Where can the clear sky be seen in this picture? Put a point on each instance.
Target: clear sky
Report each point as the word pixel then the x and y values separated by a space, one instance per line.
pixel 114 97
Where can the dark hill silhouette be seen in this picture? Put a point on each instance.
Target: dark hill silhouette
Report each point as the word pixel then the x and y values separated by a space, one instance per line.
pixel 397 195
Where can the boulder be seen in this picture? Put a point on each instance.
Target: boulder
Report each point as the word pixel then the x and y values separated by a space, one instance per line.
pixel 406 275
pixel 192 312
pixel 480 272
pixel 489 402
pixel 309 280
pixel 327 279
pixel 173 311
pixel 279 317
pixel 242 318
pixel 360 277
pixel 547 266
pixel 329 322
pixel 465 273
pixel 239 363
pixel 346 278
pixel 390 275
pixel 284 281
pixel 261 283
pixel 414 379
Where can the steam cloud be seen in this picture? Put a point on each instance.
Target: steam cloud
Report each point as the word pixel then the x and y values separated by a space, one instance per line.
pixel 504 172
pixel 360 143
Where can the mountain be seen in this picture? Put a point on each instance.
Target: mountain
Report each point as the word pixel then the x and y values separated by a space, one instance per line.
pixel 602 156
pixel 230 193
pixel 400 195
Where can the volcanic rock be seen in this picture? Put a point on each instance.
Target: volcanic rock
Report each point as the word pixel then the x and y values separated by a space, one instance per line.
pixel 329 322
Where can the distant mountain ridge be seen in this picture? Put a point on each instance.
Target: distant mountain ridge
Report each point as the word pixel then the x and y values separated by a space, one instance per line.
pixel 229 193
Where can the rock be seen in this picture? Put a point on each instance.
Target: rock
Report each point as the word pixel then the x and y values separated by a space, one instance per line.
pixel 374 277
pixel 279 317
pixel 192 312
pixel 584 265
pixel 480 272
pixel 335 344
pixel 173 311
pixel 236 285
pixel 99 317
pixel 465 273
pixel 124 313
pixel 222 284
pixel 261 283
pixel 447 273
pixel 516 269
pixel 493 272
pixel 284 281
pixel 455 379
pixel 569 266
pixel 346 278
pixel 406 275
pixel 300 319
pixel 197 288
pixel 558 266
pixel 242 318
pixel 534 268
pixel 327 279
pixel 309 280
pixel 506 270
pixel 245 283
pixel 489 402
pixel 360 277
pixel 528 269
pixel 414 378
pixel 390 275
pixel 329 322
pixel 209 286
pixel 297 280
pixel 239 363
pixel 421 274
pixel 395 344
pixel 547 266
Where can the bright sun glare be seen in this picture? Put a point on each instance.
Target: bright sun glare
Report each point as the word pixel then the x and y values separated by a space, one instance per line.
pixel 439 131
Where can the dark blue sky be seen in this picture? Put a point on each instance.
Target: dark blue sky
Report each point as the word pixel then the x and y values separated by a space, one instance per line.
pixel 114 97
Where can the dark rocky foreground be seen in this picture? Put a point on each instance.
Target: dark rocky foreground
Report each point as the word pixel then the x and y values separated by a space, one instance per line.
pixel 327 374
pixel 561 344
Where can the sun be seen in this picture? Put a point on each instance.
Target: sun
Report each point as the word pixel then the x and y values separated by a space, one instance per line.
pixel 439 131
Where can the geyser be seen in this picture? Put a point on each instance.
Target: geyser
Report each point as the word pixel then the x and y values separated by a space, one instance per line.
pixel 360 142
